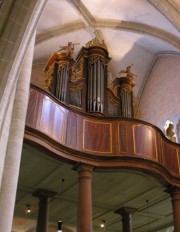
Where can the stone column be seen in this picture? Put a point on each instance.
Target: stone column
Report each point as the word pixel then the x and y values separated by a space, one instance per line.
pixel 12 52
pixel 43 213
pixel 175 196
pixel 126 214
pixel 15 141
pixel 84 220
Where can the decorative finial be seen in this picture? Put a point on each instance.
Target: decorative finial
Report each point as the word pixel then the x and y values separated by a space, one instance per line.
pixel 96 43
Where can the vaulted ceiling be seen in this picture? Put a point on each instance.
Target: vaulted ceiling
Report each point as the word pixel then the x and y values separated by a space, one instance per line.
pixel 135 31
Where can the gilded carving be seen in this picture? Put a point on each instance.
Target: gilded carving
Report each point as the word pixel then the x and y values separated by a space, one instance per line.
pixel 77 73
pixel 113 101
pixel 96 43
pixel 68 49
pixel 113 88
pixel 76 88
pixel 126 88
pixel 94 59
pixel 127 73
pixel 62 64
pixel 137 112
pixel 47 80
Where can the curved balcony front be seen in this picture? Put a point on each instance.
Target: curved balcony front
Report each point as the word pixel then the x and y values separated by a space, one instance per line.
pixel 102 142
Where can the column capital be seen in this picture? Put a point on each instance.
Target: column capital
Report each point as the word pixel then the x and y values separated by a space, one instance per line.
pixel 174 192
pixel 40 193
pixel 84 170
pixel 125 210
pixel 126 214
pixel 83 167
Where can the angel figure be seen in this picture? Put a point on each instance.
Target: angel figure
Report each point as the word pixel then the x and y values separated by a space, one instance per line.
pixel 128 72
pixel 69 49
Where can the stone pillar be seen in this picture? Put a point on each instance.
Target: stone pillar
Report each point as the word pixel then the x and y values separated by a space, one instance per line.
pixel 4 132
pixel 15 141
pixel 43 213
pixel 126 214
pixel 84 220
pixel 12 52
pixel 175 198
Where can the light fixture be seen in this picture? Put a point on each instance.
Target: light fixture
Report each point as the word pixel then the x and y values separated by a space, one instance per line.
pixel 103 224
pixel 148 216
pixel 59 226
pixel 28 210
pixel 60 221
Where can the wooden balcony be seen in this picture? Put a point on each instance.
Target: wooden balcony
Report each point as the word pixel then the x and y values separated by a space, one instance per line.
pixel 103 142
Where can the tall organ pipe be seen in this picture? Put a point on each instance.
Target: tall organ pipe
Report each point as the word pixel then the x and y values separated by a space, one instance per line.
pixel 94 88
pixel 90 89
pixel 102 87
pixel 98 100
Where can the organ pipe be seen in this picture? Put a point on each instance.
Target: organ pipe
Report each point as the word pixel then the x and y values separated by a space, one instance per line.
pixel 61 83
pixel 96 87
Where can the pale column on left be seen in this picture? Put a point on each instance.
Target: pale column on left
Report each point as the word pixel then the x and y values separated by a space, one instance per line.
pixel 15 141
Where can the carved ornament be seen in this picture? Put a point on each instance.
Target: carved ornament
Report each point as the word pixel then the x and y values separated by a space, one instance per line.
pixel 113 101
pixel 113 88
pixel 77 73
pixel 125 88
pixel 47 80
pixel 137 112
pixel 62 64
pixel 76 88
pixel 96 43
pixel 94 59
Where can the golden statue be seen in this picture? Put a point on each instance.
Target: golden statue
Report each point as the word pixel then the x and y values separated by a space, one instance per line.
pixel 127 73
pixel 69 49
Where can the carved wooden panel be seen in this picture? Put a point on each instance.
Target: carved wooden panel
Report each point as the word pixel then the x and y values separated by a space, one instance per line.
pixel 171 158
pixel 122 137
pixel 72 130
pixel 144 139
pixel 97 136
pixel 58 123
pixel 45 116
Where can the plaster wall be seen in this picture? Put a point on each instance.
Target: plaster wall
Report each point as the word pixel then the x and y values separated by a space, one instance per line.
pixel 37 73
pixel 161 96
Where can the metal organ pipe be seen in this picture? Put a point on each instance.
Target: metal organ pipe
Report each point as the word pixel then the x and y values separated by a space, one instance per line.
pixel 57 85
pixel 61 83
pixel 90 88
pixel 96 87
pixel 65 83
pixel 102 87
pixel 126 104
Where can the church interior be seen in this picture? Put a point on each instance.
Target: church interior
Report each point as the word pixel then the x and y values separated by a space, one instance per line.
pixel 96 127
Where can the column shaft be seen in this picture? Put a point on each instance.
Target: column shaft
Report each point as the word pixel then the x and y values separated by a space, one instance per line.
pixel 14 145
pixel 84 199
pixel 126 214
pixel 43 213
pixel 42 222
pixel 175 196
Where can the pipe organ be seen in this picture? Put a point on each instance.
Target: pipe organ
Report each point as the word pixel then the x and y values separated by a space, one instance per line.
pixel 84 82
